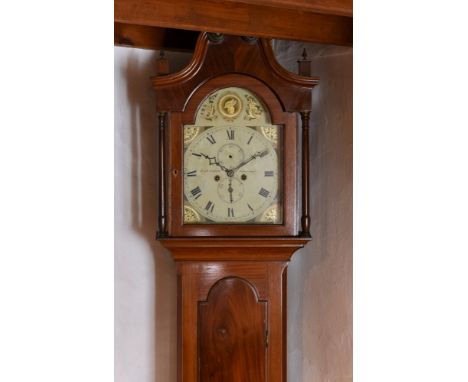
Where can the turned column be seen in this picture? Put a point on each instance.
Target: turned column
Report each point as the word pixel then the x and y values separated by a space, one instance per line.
pixel 162 229
pixel 305 219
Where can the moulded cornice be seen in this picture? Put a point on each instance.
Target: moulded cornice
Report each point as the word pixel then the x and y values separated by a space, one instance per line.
pixel 199 55
pixel 286 75
pixel 190 70
pixel 252 57
pixel 228 248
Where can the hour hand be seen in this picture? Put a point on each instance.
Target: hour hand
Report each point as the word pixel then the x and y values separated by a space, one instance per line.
pixel 213 160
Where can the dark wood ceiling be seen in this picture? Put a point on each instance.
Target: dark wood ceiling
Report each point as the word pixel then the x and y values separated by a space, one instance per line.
pixel 174 25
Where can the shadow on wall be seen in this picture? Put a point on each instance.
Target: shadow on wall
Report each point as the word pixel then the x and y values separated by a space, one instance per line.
pixel 144 194
pixel 320 275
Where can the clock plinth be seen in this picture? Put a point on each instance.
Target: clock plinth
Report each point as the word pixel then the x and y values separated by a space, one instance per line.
pixel 229 204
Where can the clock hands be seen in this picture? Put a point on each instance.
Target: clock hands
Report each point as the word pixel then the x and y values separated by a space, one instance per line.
pixel 214 161
pixel 230 172
pixel 251 158
pixel 230 189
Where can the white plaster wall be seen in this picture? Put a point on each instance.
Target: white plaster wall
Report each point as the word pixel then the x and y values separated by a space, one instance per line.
pixel 145 278
pixel 320 276
pixel 327 266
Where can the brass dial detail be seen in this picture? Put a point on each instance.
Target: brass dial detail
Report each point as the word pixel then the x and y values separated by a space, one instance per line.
pixel 190 215
pixel 270 133
pixel 190 132
pixel 271 215
pixel 254 109
pixel 230 106
pixel 208 110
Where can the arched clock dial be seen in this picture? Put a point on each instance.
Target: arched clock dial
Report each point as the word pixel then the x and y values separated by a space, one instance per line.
pixel 231 174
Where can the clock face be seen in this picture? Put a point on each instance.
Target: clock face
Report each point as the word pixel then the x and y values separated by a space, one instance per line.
pixel 232 168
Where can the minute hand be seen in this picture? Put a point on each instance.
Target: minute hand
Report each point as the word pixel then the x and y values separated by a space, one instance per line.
pixel 258 154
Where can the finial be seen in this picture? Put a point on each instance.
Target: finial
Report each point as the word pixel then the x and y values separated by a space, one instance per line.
pixel 304 65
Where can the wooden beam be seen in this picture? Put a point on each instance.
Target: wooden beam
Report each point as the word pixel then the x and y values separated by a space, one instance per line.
pixel 237 18
pixel 142 36
pixel 328 7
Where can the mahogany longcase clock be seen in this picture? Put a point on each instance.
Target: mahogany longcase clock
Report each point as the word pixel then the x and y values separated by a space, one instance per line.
pixel 230 209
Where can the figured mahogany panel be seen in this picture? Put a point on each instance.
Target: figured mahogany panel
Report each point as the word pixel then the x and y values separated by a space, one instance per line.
pixel 198 289
pixel 209 273
pixel 232 334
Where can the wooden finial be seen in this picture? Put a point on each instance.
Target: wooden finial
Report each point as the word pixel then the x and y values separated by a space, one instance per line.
pixel 305 65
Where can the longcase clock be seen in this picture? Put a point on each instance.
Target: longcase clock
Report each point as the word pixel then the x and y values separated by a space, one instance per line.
pixel 230 208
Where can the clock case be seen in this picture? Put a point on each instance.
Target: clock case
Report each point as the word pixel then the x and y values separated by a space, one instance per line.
pixel 232 278
pixel 219 62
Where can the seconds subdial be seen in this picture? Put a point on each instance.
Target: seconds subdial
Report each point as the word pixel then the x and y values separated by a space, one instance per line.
pixel 230 190
pixel 230 155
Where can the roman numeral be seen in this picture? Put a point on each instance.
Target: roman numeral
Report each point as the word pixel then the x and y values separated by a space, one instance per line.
pixel 250 207
pixel 196 192
pixel 230 212
pixel 248 142
pixel 264 193
pixel 192 173
pixel 230 134
pixel 269 173
pixel 211 139
pixel 209 206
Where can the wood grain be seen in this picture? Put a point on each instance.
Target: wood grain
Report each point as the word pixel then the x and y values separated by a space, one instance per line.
pixel 149 37
pixel 239 18
pixel 232 333
pixel 266 284
pixel 329 7
pixel 233 249
pixel 234 55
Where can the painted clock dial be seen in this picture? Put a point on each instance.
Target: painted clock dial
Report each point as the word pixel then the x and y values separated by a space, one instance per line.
pixel 232 167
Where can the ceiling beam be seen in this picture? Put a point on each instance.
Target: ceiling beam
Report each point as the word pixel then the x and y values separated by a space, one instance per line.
pixel 142 36
pixel 328 7
pixel 237 18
